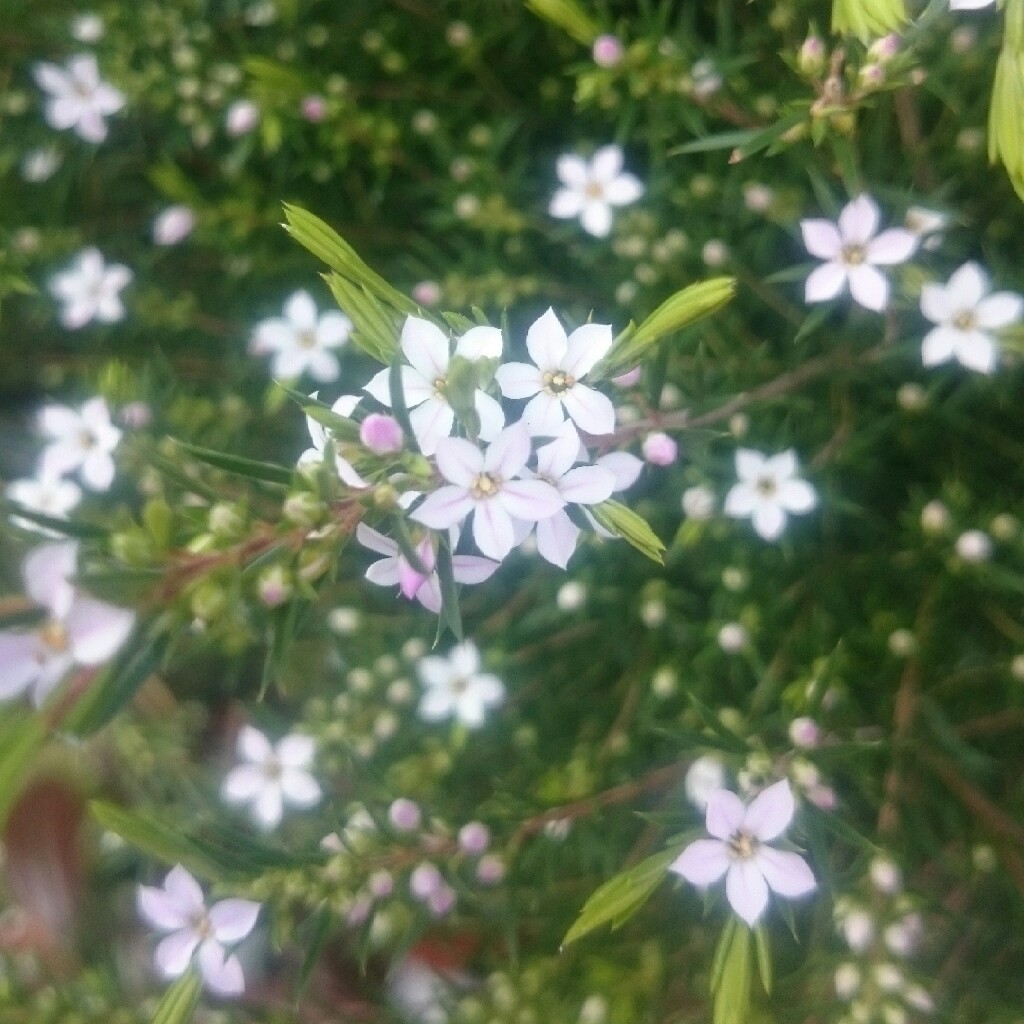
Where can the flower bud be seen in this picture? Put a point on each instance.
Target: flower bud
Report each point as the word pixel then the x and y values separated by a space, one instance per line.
pixel 382 434
pixel 659 449
pixel 225 520
pixel 303 509
pixel 935 518
pixel 804 732
pixel 607 51
pixel 313 108
pixel 425 880
pixel 405 815
pixel 974 546
pixel 811 58
pixel 274 586
pixel 733 637
pixel 699 502
pixel 705 776
pixel 490 870
pixel 241 118
pixel 474 838
pixel 885 876
pixel 173 225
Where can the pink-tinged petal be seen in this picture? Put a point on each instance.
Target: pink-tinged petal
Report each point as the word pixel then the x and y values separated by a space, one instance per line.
pixel 429 595
pixel 173 954
pixel 445 507
pixel 370 538
pixel 796 496
pixel 20 667
pixel 507 455
pixel 300 788
pixel 181 887
pixel 554 460
pixel 893 246
pixel 333 330
pixel 53 667
pixel 296 751
pixel 724 814
pixel 590 410
pixel 492 416
pixel 543 415
pixel 587 485
pixel 409 580
pixel 821 238
pixel 459 461
pixel 385 573
pixel 59 421
pixel 46 571
pixel 518 380
pixel 746 890
pixel 432 423
pixel 492 529
pixel 596 218
pixel 91 126
pixel 625 468
pixel 786 873
pixel 825 282
pixel 939 345
pixel 96 629
pixel 967 286
pixel 268 806
pixel 572 170
pixel 243 784
pixel 51 78
pixel 999 310
pixel 702 863
pixel 233 919
pixel 586 346
pixel 222 974
pixel 977 352
pixel 623 190
pixel 530 500
pixel 426 347
pixel 253 745
pixel 472 569
pixel 160 910
pixel 868 287
pixel 858 221
pixel 347 474
pixel 567 203
pixel 741 501
pixel 84 70
pixel 546 342
pixel 606 163
pixel 480 343
pixel 556 539
pixel 936 304
pixel 769 519
pixel 770 812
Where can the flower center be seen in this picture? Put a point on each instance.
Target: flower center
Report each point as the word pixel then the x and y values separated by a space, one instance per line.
pixel 307 338
pixel 440 384
pixel 201 926
pixel 854 255
pixel 272 768
pixel 485 486
pixel 766 486
pixel 965 320
pixel 557 382
pixel 459 685
pixel 55 636
pixel 742 845
pixel 87 440
pixel 594 190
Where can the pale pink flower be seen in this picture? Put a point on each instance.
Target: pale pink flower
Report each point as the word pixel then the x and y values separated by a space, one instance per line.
pixel 90 289
pixel 425 381
pixel 78 98
pixel 853 250
pixel 81 440
pixel 320 435
pixel 241 117
pixel 659 449
pixel 768 490
pixel 590 188
pixel 455 687
pixel 553 383
pixel 966 314
pixel 484 484
pixel 173 225
pixel 381 434
pixel 607 51
pixel 303 340
pixel 180 909
pixel 739 851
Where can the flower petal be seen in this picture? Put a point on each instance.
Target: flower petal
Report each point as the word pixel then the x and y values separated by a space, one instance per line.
pixel 768 519
pixel 296 750
pixel 492 416
pixel 160 910
pixel 859 220
pixel 623 190
pixel 243 784
pixel 703 862
pixel 999 310
pixel 375 541
pixel 893 246
pixel 426 347
pixel 233 919
pixel 222 974
pixel 173 954
pixel 935 303
pixel 967 285
pixel 586 346
pixel 590 410
pixel 300 788
pixel 253 745
pixel 530 500
pixel 518 380
pixel 770 812
pixel 596 218
pixel 724 814
pixel 746 890
pixel 869 287
pixel 546 342
pixel 938 345
pixel 557 537
pixel 509 451
pixel 977 352
pixel 821 238
pixel 444 507
pixel 459 461
pixel 96 629
pixel 492 529
pixel 432 423
pixel 786 873
pixel 825 282
pixel 587 485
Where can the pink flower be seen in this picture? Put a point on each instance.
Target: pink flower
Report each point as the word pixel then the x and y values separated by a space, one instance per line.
pixel 739 851
pixel 607 51
pixel 381 434
pixel 853 250
pixel 659 449
pixel 78 98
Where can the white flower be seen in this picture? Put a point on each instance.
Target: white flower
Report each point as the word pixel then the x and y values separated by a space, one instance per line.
pixel 320 435
pixel 395 570
pixel 553 383
pixel 591 188
pixel 79 630
pixel 767 490
pixel 302 341
pixel 425 381
pixel 966 315
pixel 455 686
pixel 271 775
pixel 173 225
pixel 81 440
pixel 926 224
pixel 87 27
pixel 48 495
pixel 853 250
pixel 90 290
pixel 179 908
pixel 78 99
pixel 40 164
pixel 241 117
pixel 705 776
pixel 969 5
pixel 739 851
pixel 484 484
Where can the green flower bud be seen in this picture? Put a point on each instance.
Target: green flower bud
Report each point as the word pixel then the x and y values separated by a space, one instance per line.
pixel 303 509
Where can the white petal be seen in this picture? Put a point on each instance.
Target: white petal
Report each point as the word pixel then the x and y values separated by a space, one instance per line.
pixel 824 282
pixel 96 629
pixel 567 203
pixel 587 485
pixel 543 415
pixel 509 451
pixel 770 812
pixel 370 538
pixel 160 910
pixel 173 954
pixel 385 573
pixel 740 501
pixel 769 519
pixel 967 286
pixel 472 569
pixel 518 380
pixel 556 539
pixel 546 342
pixel 747 890
pixel 893 246
pixel 623 190
pixel 935 303
pixel 243 783
pixel 253 745
pixel 999 310
pixel 333 330
pixel 821 238
pixel 222 974
pixel 786 873
pixel 702 863
pixel 46 571
pixel 724 814
pixel 796 496
pixel 296 751
pixel 570 169
pixel 596 218
pixel 977 352
pixel 530 500
pixel 459 461
pixel 492 417
pixel 480 343
pixel 432 423
pixel 268 806
pixel 938 345
pixel 300 788
pixel 868 287
pixel 426 347
pixel 233 919
pixel 859 220
pixel 18 657
pixel 184 890
pixel 625 468
pixel 585 347
pixel 445 507
pixel 300 309
pixel 590 410
pixel 492 529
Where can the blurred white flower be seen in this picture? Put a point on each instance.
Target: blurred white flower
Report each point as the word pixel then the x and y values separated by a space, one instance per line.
pixel 79 439
pixel 49 495
pixel 271 775
pixel 705 776
pixel 173 225
pixel 768 489
pixel 241 117
pixel 78 98
pixel 969 5
pixel 87 27
pixel 455 687
pixel 180 909
pixel 38 165
pixel 302 341
pixel 90 290
pixel 591 188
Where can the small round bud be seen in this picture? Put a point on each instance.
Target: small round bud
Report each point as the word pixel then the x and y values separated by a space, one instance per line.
pixel 607 51
pixel 984 859
pixel 715 253
pixel 912 397
pixel 405 815
pixel 858 928
pixel 734 579
pixel 382 434
pixel 705 776
pixel 902 643
pixel 1017 668
pixel 343 621
pixel 459 34
pixel 805 733
pixel 664 683
pixel 659 449
pixel 698 502
pixel 313 108
pixel 739 424
pixel 225 520
pixel 885 49
pixel 847 980
pixel 935 518
pixel 571 596
pixel 885 876
pixel 811 58
pixel 173 225
pixel 381 884
pixel 426 293
pixel 594 1010
pixel 888 977
pixel 303 509
pixel 653 613
pixel 903 937
pixel 241 118
pixel 474 838
pixel 628 379
pixel 274 586
pixel 974 546
pixel 758 198
pixel 1004 527
pixel 918 998
pixel 490 869
pixel 733 638
pixel 442 900
pixel 425 880
pixel 400 692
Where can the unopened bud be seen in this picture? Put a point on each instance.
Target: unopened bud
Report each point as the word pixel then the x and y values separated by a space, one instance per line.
pixel 274 586
pixel 812 55
pixel 382 434
pixel 659 449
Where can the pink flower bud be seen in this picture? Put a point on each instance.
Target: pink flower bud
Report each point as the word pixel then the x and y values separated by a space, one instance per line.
pixel 136 415
pixel 241 118
pixel 426 293
pixel 405 815
pixel 474 838
pixel 659 449
pixel 381 884
pixel 490 870
pixel 804 732
pixel 358 912
pixel 629 378
pixel 425 880
pixel 314 108
pixel 441 900
pixel 173 225
pixel 381 434
pixel 608 51
pixel 811 59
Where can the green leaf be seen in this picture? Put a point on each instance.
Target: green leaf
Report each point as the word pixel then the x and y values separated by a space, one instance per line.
pixel 622 896
pixel 180 1000
pixel 373 327
pixel 342 427
pixel 66 527
pixel 732 993
pixel 569 16
pixel 251 468
pixel 624 522
pixel 764 957
pixel 450 614
pixel 319 926
pixel 21 735
pixel 721 140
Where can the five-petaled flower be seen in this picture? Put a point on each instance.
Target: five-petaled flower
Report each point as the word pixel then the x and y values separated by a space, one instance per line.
pixel 78 98
pixel 455 686
pixel 553 383
pixel 966 314
pixel 271 775
pixel 853 251
pixel 90 290
pixel 484 484
pixel 303 340
pixel 48 495
pixel 739 850
pixel 591 188
pixel 180 909
pixel 79 439
pixel 768 489
pixel 425 381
